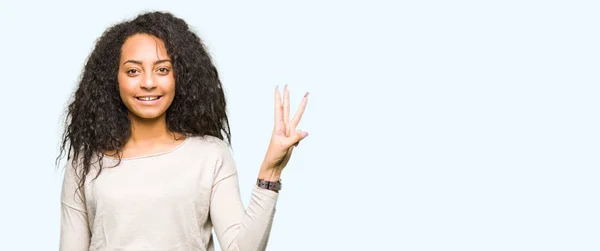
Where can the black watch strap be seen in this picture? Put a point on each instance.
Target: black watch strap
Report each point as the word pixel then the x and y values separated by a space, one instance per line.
pixel 271 185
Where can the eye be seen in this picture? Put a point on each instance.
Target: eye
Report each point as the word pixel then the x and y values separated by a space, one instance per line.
pixel 163 70
pixel 132 72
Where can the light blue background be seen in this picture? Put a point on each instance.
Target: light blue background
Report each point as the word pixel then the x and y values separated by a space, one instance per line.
pixel 434 125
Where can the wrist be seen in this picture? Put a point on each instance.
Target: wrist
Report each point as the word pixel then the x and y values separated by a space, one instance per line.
pixel 274 186
pixel 269 174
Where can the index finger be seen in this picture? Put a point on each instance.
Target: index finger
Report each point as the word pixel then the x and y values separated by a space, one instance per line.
pixel 299 112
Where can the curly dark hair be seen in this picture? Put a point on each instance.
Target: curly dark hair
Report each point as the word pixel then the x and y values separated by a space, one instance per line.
pixel 97 121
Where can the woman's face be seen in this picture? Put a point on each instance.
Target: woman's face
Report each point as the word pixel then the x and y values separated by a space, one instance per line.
pixel 146 80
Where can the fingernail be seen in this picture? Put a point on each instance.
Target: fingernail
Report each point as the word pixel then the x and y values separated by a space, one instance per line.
pixel 305 134
pixel 286 86
pixel 306 95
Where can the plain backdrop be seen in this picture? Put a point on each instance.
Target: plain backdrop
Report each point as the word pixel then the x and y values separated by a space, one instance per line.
pixel 434 125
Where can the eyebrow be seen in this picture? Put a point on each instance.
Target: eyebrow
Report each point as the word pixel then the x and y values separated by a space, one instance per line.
pixel 140 62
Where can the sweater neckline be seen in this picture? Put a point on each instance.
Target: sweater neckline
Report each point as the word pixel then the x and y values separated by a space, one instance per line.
pixel 155 154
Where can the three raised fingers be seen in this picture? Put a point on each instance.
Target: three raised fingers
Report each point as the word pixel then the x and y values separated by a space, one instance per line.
pixel 282 112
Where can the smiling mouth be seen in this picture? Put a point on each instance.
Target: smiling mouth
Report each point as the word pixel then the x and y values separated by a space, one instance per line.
pixel 148 98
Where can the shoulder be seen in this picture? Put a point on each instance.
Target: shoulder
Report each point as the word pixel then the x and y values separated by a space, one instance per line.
pixel 207 142
pixel 210 151
pixel 208 146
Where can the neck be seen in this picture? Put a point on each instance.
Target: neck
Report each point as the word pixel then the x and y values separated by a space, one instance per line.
pixel 149 131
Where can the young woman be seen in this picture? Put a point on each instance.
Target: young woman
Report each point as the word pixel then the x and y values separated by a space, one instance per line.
pixel 147 140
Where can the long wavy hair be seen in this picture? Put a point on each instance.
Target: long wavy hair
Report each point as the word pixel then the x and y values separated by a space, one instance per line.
pixel 97 121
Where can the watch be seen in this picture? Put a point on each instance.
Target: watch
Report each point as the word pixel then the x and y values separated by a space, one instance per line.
pixel 271 185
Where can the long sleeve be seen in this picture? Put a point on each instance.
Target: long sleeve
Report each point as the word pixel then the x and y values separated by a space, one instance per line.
pixel 237 228
pixel 74 229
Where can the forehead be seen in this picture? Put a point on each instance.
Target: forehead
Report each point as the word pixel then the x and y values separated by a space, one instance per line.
pixel 143 47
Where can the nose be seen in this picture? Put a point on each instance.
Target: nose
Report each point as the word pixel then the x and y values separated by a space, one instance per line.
pixel 148 82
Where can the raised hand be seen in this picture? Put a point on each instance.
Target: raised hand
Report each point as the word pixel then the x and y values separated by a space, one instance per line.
pixel 285 134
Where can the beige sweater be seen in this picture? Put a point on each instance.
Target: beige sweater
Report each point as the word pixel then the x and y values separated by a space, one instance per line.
pixel 168 201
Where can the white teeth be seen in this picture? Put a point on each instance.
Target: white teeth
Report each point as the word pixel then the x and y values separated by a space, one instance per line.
pixel 148 98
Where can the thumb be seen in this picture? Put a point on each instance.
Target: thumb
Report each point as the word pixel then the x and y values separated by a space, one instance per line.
pixel 296 137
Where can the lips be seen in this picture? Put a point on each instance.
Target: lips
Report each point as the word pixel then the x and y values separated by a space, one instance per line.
pixel 148 98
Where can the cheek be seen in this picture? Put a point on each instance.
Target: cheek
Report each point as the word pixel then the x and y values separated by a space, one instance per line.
pixel 168 86
pixel 126 86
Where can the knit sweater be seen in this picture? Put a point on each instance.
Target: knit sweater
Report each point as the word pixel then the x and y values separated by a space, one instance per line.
pixel 167 201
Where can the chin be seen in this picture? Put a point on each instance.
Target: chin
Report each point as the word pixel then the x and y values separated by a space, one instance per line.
pixel 147 115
